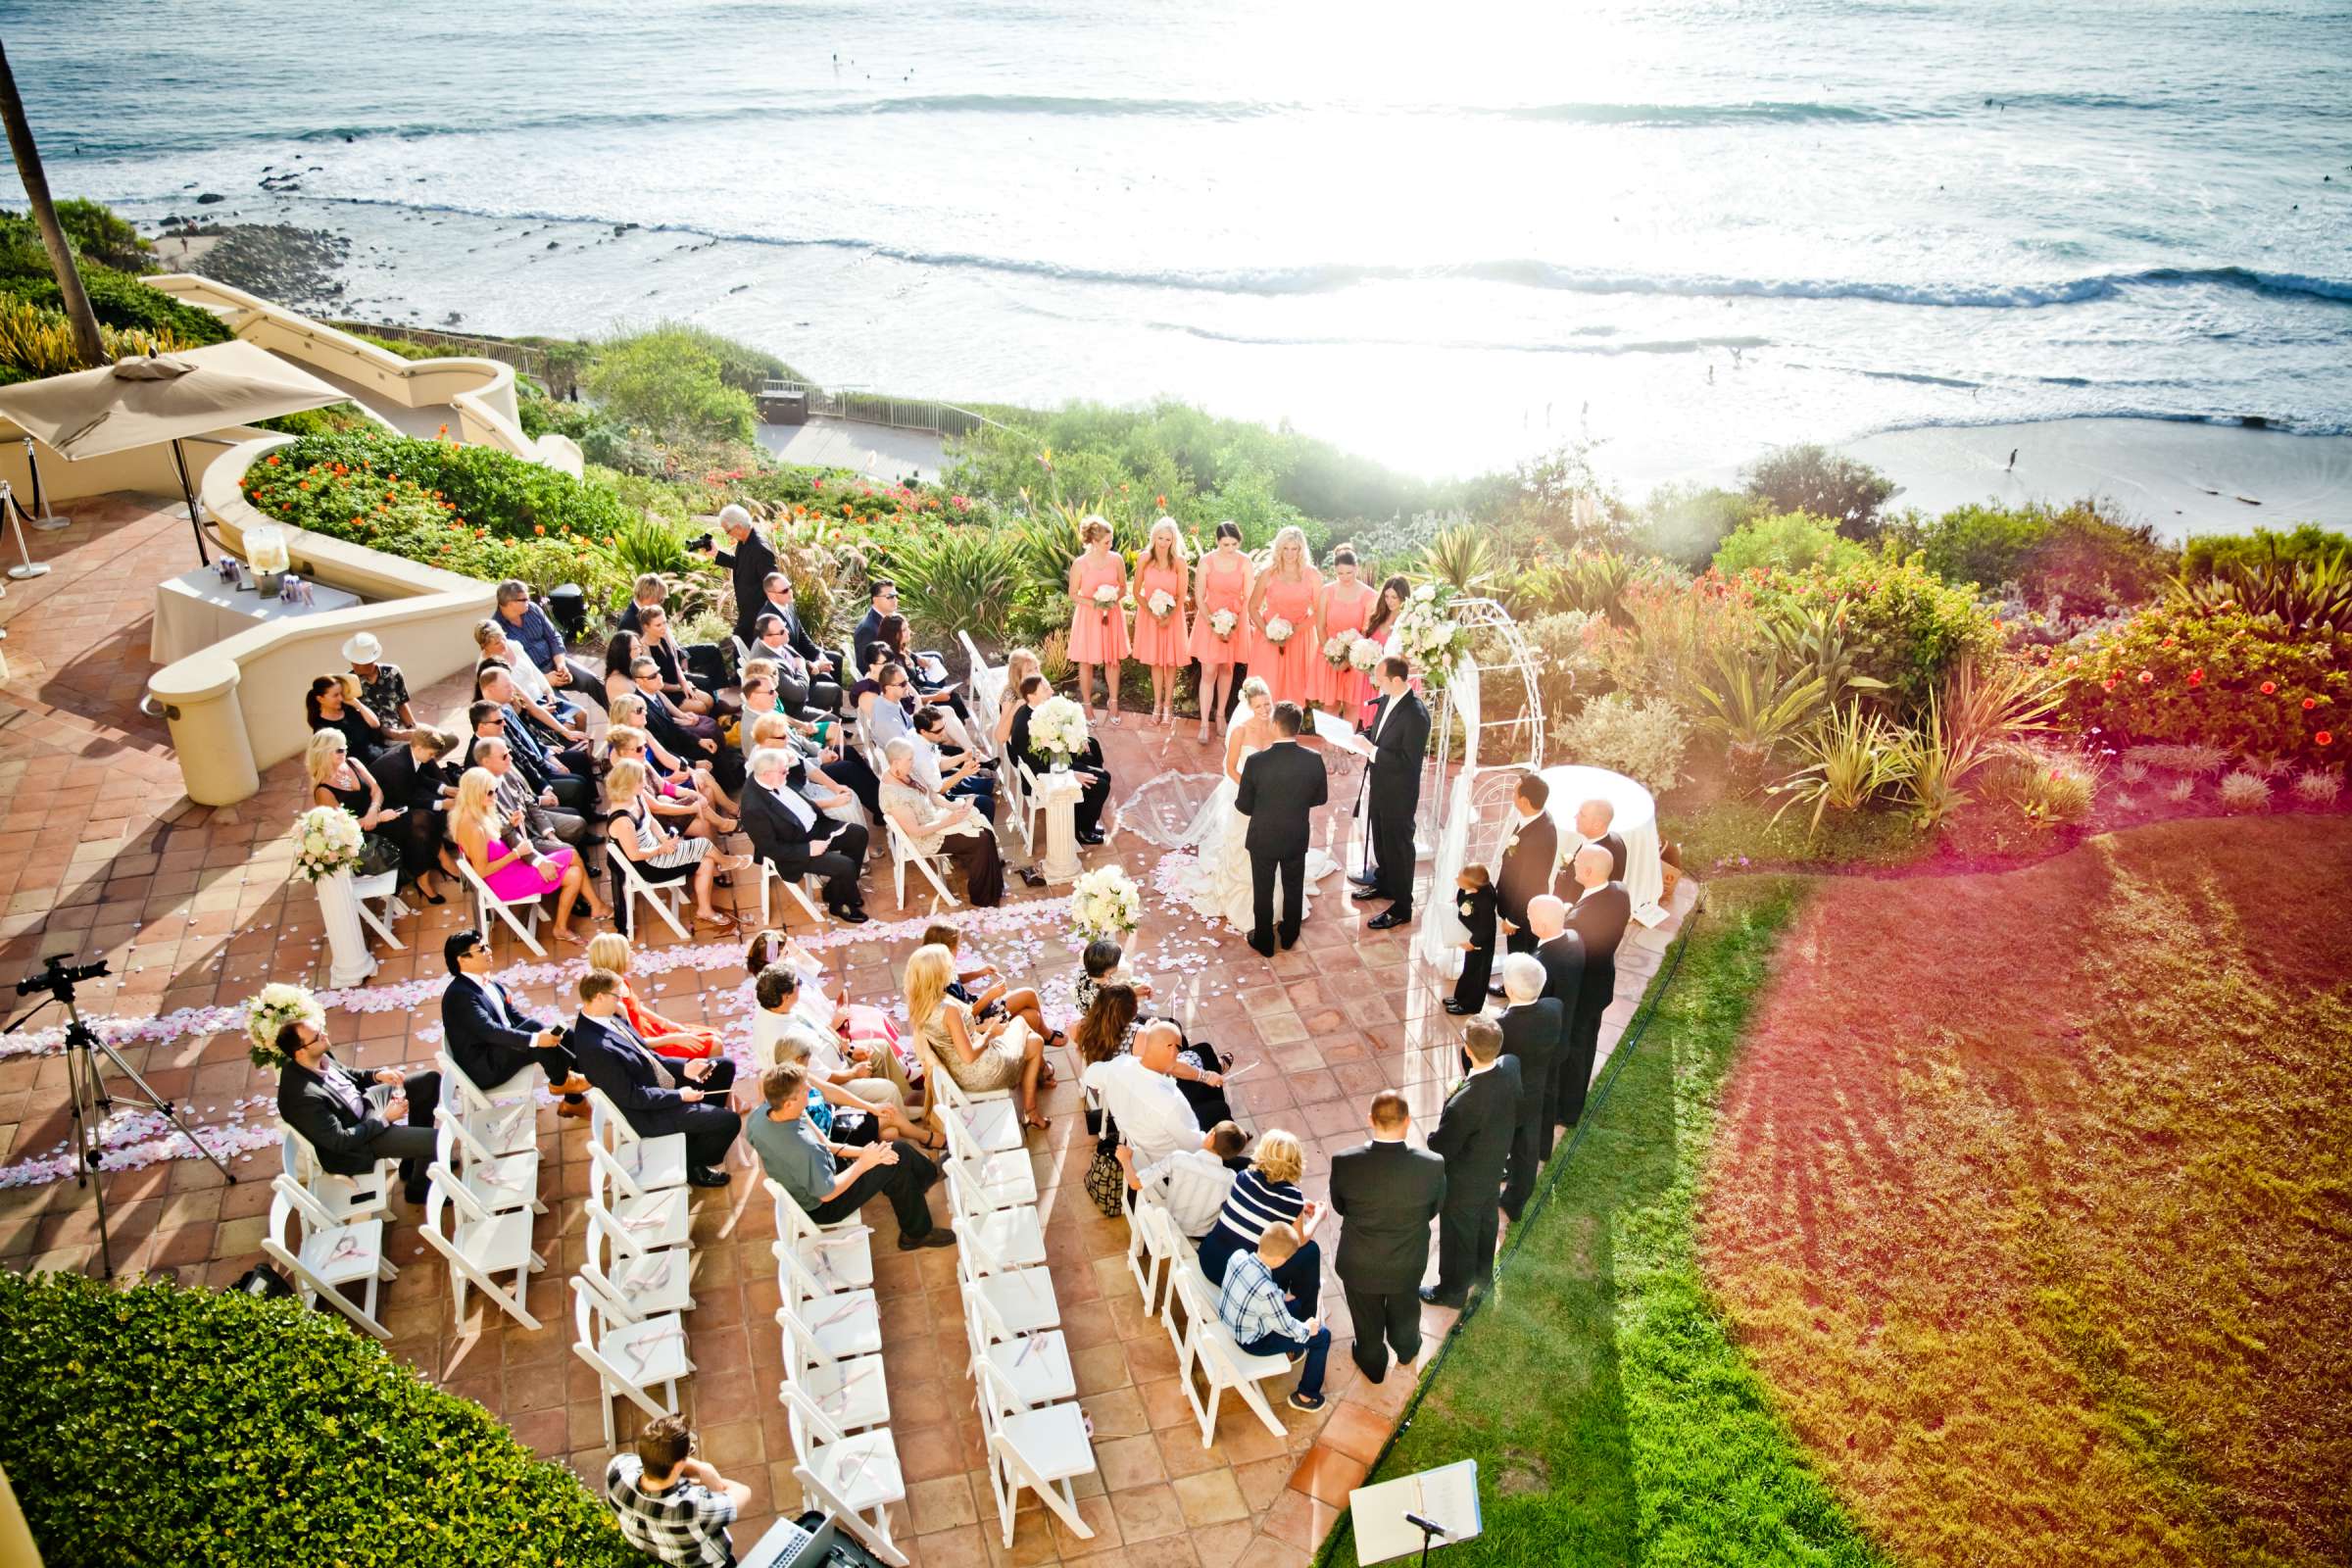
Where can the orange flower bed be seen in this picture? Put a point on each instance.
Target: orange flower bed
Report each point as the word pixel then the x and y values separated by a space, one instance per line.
pixel 2032 1201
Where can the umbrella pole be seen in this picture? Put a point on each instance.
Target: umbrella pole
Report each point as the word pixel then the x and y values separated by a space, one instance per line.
pixel 30 567
pixel 43 518
pixel 187 488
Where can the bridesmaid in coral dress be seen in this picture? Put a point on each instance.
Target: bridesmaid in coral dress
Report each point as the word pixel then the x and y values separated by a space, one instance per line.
pixel 1285 591
pixel 1222 585
pixel 1347 603
pixel 1097 623
pixel 1162 641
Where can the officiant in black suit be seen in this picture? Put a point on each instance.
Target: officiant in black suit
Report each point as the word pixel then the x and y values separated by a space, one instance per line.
pixel 1399 736
pixel 1531 855
pixel 1281 786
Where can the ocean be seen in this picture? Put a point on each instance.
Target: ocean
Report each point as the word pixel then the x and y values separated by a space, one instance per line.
pixel 1446 238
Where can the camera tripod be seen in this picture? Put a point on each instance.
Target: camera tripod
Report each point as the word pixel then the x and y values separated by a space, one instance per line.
pixel 86 1077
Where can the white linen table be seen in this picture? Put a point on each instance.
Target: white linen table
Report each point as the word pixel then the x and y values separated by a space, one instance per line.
pixel 196 609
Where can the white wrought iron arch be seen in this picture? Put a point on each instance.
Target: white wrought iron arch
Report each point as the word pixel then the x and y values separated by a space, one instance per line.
pixel 1493 751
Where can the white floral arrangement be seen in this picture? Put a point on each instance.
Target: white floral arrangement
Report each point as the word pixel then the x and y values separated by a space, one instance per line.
pixel 1364 654
pixel 1279 632
pixel 1058 728
pixel 269 1012
pixel 1223 623
pixel 1106 595
pixel 1161 602
pixel 326 840
pixel 1335 652
pixel 1104 902
pixel 1427 636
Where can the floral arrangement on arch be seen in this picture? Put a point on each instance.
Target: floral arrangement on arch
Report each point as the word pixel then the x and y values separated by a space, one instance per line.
pixel 267 1014
pixel 1104 902
pixel 326 840
pixel 1427 636
pixel 1058 728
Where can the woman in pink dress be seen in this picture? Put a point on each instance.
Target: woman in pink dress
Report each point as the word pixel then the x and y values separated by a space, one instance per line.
pixel 1098 622
pixel 1161 639
pixel 515 873
pixel 1221 586
pixel 1287 652
pixel 1345 604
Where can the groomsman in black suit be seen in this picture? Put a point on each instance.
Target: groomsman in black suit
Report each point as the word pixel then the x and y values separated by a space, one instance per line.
pixel 1399 736
pixel 1387 1192
pixel 1533 1030
pixel 1092 778
pixel 1561 952
pixel 1593 820
pixel 788 834
pixel 1474 1135
pixel 491 1037
pixel 882 599
pixel 1281 786
pixel 1599 920
pixel 1531 853
pixel 655 1095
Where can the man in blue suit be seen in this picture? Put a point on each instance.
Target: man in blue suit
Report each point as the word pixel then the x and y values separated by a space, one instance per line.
pixel 657 1097
pixel 491 1037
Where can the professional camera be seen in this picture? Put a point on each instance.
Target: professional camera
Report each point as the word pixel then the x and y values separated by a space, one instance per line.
pixel 57 977
pixel 702 542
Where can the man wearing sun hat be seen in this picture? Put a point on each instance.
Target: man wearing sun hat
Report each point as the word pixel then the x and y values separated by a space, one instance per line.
pixel 382 687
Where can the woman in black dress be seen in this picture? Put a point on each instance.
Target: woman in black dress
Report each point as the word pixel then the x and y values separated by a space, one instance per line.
pixel 337 779
pixel 333 703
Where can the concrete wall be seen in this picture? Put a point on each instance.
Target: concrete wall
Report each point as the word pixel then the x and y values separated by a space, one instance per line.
pixel 238 704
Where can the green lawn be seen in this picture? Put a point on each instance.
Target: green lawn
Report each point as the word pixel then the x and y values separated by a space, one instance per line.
pixel 1612 1420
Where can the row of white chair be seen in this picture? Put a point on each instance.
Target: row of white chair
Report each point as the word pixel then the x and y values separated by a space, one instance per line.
pixel 1166 1266
pixel 635 1283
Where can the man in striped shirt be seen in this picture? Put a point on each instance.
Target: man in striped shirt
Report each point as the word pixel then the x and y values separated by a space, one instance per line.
pixel 1252 1305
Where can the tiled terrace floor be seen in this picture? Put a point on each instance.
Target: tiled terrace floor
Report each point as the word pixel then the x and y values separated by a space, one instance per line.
pixel 100 855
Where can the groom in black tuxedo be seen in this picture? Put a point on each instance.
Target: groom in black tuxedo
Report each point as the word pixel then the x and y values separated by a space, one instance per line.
pixel 1281 786
pixel 1399 736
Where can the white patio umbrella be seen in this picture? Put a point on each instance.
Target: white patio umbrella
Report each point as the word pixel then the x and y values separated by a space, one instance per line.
pixel 148 399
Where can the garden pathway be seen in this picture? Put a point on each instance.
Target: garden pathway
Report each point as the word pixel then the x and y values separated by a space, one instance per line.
pixel 100 855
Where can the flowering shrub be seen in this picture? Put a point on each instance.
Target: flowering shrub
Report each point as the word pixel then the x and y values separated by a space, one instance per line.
pixel 1902 624
pixel 1645 740
pixel 2246 684
pixel 326 840
pixel 1104 902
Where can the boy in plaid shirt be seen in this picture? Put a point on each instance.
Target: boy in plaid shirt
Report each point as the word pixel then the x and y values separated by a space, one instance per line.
pixel 1254 1307
pixel 673 1507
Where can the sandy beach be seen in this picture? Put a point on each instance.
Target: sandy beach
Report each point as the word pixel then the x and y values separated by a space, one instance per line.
pixel 2185 478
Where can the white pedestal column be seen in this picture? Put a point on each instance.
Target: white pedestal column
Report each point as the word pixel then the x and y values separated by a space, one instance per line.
pixel 1060 793
pixel 346 937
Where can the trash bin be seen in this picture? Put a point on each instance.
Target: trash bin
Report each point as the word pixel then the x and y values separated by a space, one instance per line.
pixel 784 407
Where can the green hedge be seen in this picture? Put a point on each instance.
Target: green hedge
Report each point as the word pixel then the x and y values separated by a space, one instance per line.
pixel 120 301
pixel 161 1425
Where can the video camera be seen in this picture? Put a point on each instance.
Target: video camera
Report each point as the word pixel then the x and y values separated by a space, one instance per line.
pixel 58 977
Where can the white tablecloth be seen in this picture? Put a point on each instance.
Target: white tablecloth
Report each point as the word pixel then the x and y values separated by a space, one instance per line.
pixel 196 609
pixel 1637 823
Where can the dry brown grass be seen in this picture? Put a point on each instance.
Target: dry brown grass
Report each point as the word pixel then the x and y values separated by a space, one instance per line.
pixel 2032 1201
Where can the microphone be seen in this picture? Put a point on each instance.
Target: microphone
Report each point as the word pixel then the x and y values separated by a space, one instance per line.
pixel 1427 1526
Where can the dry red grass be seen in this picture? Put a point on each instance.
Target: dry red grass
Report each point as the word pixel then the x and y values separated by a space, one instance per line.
pixel 2032 1201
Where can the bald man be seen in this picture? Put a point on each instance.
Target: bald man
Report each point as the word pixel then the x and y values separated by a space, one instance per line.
pixel 1598 920
pixel 1561 952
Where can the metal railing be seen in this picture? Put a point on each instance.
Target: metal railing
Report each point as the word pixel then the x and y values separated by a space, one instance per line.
pixel 878 408
pixel 533 362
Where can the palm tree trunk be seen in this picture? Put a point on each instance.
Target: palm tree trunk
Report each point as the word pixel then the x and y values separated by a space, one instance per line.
pixel 88 340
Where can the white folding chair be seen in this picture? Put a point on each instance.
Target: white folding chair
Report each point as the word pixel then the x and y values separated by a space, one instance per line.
pixel 1037 1364
pixel 797 887
pixel 473 1103
pixel 1028 808
pixel 1022 1298
pixel 382 888
pixel 344 1200
pixel 492 1183
pixel 324 1256
pixel 848 1389
pixel 480 1244
pixel 1013 1235
pixel 1166 1239
pixel 990 1115
pixel 988 691
pixel 904 854
pixel 854 1478
pixel 637 1164
pixel 1211 1349
pixel 642 1279
pixel 639 1223
pixel 1001 1180
pixel 842 1322
pixel 1148 1252
pixel 662 898
pixel 632 1356
pixel 837 1255
pixel 1042 1449
pixel 487 904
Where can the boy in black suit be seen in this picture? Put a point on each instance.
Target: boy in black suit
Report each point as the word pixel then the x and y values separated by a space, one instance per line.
pixel 1474 1138
pixel 1474 903
pixel 1281 786
pixel 656 1097
pixel 1388 1193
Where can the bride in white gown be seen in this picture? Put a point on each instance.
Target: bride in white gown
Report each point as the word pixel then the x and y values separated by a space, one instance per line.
pixel 1219 885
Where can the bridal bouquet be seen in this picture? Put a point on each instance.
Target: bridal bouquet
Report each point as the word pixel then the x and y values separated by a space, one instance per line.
pixel 1427 635
pixel 1161 602
pixel 1104 902
pixel 326 840
pixel 1364 654
pixel 1059 729
pixel 1279 632
pixel 1222 623
pixel 269 1012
